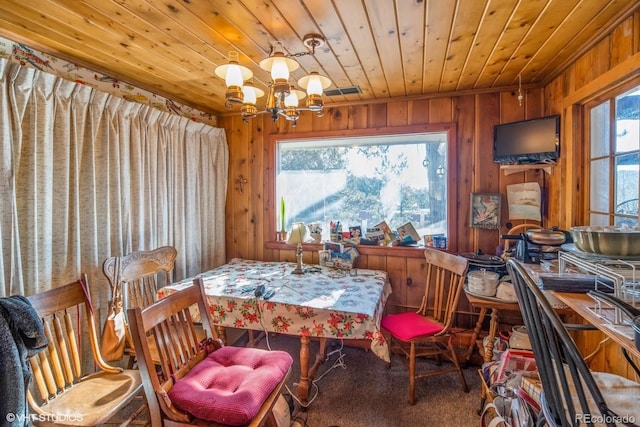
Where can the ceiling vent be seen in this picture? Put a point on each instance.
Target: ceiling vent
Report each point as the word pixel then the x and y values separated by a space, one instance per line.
pixel 347 90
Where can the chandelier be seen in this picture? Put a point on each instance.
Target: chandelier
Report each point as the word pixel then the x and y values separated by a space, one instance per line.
pixel 283 98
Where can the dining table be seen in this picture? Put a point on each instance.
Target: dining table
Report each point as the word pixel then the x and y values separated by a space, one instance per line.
pixel 322 303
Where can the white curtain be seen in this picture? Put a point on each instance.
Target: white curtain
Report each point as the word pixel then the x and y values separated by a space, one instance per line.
pixel 85 175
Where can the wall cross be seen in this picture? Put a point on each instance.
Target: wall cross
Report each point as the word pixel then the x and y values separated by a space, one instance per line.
pixel 241 181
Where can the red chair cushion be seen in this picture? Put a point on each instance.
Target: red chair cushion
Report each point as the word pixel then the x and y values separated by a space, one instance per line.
pixel 231 384
pixel 407 326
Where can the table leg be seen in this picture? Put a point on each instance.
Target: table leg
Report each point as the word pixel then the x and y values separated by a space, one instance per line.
pixel 493 330
pixel 474 335
pixel 305 382
pixel 222 333
pixel 307 375
pixel 254 340
pixel 320 358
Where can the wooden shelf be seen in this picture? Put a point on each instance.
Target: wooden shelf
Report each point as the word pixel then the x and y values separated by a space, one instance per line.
pixel 509 169
pixel 400 251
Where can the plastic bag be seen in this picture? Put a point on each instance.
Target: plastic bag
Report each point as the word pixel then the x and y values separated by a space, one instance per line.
pixel 508 412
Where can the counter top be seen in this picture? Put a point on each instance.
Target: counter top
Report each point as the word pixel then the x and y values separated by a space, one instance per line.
pixel 583 305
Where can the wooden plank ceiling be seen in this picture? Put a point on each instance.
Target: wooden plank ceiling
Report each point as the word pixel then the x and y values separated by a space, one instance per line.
pixel 390 49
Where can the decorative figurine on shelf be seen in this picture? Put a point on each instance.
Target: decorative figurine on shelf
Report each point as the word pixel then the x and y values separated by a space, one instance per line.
pixel 315 231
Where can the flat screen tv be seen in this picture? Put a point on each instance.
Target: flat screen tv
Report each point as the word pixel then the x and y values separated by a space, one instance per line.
pixel 527 142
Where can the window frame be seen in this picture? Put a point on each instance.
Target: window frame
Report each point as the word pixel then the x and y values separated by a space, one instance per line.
pixel 605 97
pixel 271 204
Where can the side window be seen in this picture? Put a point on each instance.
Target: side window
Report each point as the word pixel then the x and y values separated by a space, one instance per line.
pixel 362 181
pixel 613 160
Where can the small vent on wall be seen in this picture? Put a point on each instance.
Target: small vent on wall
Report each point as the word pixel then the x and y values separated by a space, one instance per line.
pixel 347 90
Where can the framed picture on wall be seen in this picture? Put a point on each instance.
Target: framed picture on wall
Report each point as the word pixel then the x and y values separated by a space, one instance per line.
pixel 485 210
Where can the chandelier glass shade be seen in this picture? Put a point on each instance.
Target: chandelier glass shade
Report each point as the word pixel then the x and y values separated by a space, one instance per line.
pixel 282 98
pixel 234 76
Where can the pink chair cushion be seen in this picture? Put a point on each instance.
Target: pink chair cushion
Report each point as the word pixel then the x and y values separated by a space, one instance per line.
pixel 407 326
pixel 231 384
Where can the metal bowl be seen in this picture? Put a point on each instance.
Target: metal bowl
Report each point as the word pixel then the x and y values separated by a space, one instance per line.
pixel 607 240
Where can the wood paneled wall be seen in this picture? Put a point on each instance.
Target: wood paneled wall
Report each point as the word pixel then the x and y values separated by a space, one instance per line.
pixel 251 207
pixel 609 67
pixel 612 62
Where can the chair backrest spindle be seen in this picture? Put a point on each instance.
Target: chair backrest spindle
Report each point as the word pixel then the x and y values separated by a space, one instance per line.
pixel 59 366
pixel 445 274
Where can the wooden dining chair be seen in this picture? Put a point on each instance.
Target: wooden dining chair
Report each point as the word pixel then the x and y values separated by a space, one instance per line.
pixel 428 331
pixel 63 392
pixel 202 382
pixel 572 394
pixel 139 275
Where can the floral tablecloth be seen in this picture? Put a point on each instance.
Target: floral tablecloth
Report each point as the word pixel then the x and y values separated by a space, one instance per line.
pixel 323 302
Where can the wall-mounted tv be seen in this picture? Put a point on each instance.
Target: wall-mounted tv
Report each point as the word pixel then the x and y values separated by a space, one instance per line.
pixel 527 141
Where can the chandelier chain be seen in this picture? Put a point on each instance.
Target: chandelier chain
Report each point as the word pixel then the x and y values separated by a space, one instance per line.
pixel 299 54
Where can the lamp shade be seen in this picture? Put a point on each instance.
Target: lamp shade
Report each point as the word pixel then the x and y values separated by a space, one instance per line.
pixel 278 64
pixel 314 83
pixel 293 98
pixel 234 76
pixel 233 73
pixel 298 231
pixel 251 93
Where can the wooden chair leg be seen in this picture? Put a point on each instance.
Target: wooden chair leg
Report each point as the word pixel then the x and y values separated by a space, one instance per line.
pixel 271 420
pixel 412 374
pixel 454 359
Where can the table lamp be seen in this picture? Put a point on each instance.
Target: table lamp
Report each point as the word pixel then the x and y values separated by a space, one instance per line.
pixel 296 236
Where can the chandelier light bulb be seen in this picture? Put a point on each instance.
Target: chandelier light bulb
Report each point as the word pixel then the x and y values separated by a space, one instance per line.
pixel 291 100
pixel 232 72
pixel 278 64
pixel 234 76
pixel 279 69
pixel 251 93
pixel 315 85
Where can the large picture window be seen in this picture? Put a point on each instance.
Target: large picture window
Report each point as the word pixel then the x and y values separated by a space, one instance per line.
pixel 613 160
pixel 361 181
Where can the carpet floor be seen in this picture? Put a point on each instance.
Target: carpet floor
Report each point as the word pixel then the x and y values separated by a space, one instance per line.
pixel 354 388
